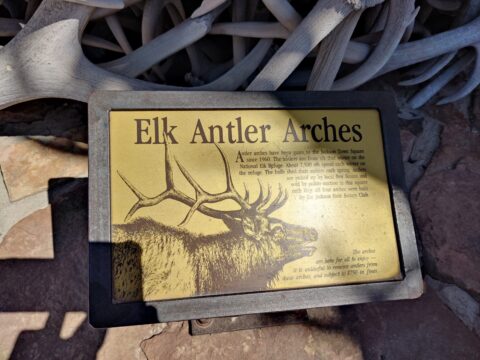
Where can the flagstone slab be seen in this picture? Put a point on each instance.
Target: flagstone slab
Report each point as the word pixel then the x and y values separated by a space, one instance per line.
pixel 28 165
pixel 30 238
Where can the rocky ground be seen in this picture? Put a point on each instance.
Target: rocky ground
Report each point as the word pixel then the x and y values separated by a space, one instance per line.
pixel 44 262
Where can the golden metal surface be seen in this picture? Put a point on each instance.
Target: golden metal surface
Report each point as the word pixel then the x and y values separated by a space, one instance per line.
pixel 328 219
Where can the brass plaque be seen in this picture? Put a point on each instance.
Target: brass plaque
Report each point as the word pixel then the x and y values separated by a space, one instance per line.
pixel 214 202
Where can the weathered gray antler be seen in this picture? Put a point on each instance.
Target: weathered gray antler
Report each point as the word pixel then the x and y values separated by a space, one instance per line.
pixel 251 29
pixel 100 13
pixel 108 4
pixel 470 85
pixel 469 11
pixel 93 41
pixel 33 68
pixel 163 46
pixel 284 12
pixel 420 50
pixel 431 89
pixel 207 6
pixel 55 29
pixel 400 14
pixel 321 20
pixel 117 30
pixel 331 54
pixel 431 70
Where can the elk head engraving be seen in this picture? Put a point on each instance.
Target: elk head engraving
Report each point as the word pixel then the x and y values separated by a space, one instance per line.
pixel 252 251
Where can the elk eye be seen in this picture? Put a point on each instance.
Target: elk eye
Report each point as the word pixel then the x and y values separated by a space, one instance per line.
pixel 276 226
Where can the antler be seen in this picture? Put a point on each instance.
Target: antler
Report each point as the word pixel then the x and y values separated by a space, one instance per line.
pixel 259 204
pixel 32 68
pixel 203 197
pixel 321 20
pixel 276 204
pixel 171 192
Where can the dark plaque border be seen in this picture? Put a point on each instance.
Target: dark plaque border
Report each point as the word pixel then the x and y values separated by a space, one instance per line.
pixel 104 313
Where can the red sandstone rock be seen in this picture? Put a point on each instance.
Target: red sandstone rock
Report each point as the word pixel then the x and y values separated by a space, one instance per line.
pixel 446 202
pixel 423 328
pixel 447 207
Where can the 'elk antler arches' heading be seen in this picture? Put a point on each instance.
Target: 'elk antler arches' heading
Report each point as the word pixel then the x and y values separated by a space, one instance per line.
pixel 260 206
pixel 148 131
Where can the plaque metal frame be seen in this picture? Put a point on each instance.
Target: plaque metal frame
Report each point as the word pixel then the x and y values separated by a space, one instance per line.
pixel 104 313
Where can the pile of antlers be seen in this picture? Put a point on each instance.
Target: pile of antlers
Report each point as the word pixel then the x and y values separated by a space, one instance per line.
pixel 232 45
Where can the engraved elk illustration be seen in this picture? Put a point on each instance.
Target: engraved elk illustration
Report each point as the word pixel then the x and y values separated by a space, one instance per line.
pixel 174 261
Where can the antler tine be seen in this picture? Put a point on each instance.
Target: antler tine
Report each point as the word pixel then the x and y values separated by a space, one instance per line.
pixel 433 46
pixel 107 4
pixel 114 24
pixel 307 35
pixel 230 186
pixel 425 94
pixel 469 12
pixel 267 198
pixel 202 196
pixel 168 164
pixel 260 196
pixel 470 85
pixel 172 193
pixel 166 44
pixel 144 201
pixel 247 193
pixel 431 71
pixel 227 170
pixel 138 194
pixel 195 206
pixel 400 14
pixel 279 201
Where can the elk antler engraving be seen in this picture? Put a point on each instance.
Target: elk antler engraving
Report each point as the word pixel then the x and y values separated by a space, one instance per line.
pixel 247 256
pixel 202 197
